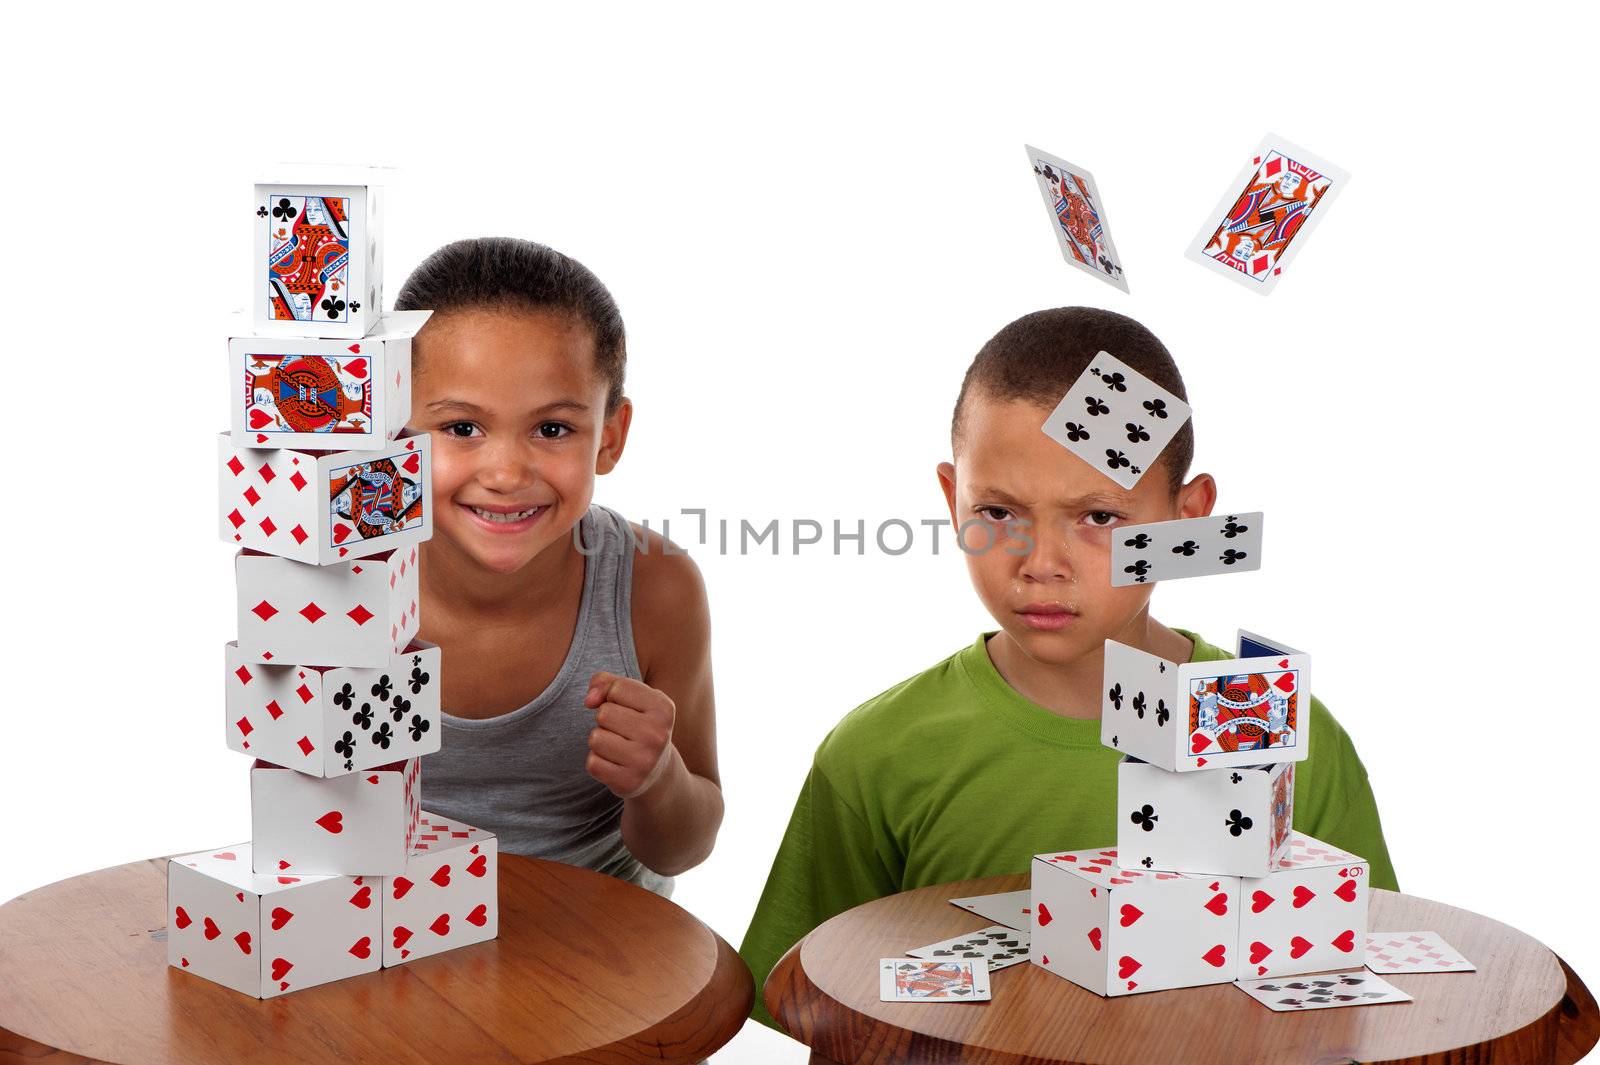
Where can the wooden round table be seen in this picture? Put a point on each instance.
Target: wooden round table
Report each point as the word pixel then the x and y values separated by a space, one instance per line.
pixel 586 968
pixel 1522 1006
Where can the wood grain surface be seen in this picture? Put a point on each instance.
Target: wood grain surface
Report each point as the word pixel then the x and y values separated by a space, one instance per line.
pixel 1523 1005
pixel 586 968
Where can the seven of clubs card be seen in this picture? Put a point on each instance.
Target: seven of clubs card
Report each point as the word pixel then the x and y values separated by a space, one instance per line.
pixel 1322 992
pixel 1188 547
pixel 1077 217
pixel 919 980
pixel 1116 419
pixel 1266 215
pixel 998 945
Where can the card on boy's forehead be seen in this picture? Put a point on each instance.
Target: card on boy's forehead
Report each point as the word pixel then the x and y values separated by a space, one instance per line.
pixel 1266 215
pixel 998 945
pixel 924 980
pixel 1077 216
pixel 1188 547
pixel 1322 992
pixel 1010 908
pixel 1414 952
pixel 1116 419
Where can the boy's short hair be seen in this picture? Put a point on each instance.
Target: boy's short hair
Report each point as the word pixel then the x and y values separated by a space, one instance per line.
pixel 1039 356
pixel 506 273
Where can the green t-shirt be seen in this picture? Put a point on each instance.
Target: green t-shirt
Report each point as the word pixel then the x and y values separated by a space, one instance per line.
pixel 954 775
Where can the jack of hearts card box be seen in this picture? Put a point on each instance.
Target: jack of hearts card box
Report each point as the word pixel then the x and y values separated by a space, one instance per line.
pixel 359 613
pixel 323 507
pixel 326 721
pixel 447 895
pixel 316 270
pixel 1233 821
pixel 1118 931
pixel 1308 917
pixel 268 934
pixel 352 395
pixel 359 824
pixel 1251 710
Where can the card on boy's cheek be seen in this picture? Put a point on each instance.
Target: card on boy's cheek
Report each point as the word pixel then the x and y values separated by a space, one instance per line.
pixel 1188 547
pixel 1077 217
pixel 1116 419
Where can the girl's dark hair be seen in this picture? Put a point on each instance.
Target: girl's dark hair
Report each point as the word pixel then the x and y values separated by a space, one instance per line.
pixel 505 273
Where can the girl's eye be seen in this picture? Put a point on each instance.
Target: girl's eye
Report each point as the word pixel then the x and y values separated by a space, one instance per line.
pixel 553 430
pixel 462 430
pixel 1102 519
pixel 995 514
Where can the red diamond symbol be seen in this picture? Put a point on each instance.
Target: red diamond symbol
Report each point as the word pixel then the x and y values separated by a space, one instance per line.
pixel 274 709
pixel 360 615
pixel 297 480
pixel 244 726
pixel 394 630
pixel 264 610
pixel 1258 264
pixel 252 496
pixel 267 526
pixel 267 655
pixel 236 518
pixel 304 693
pixel 299 534
pixel 243 674
pixel 266 473
pixel 1273 167
pixel 235 466
pixel 355 569
pixel 391 580
pixel 304 743
pixel 312 612
pixel 402 568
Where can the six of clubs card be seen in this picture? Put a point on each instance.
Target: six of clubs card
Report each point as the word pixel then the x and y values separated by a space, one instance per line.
pixel 1188 547
pixel 1116 419
pixel 1077 217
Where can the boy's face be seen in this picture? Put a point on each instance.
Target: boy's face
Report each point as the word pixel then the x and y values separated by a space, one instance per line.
pixel 1048 518
pixel 517 414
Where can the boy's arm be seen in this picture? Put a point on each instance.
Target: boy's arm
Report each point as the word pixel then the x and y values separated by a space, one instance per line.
pixel 829 861
pixel 1333 799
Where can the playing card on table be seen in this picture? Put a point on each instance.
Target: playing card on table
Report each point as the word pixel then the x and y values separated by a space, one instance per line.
pixel 1414 952
pixel 998 945
pixel 1188 547
pixel 920 980
pixel 1077 216
pixel 1322 992
pixel 1010 908
pixel 1266 215
pixel 1116 419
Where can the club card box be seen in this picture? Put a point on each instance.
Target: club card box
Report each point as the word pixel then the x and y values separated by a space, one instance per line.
pixel 1119 931
pixel 349 395
pixel 1232 821
pixel 447 895
pixel 359 613
pixel 268 935
pixel 323 507
pixel 360 824
pixel 317 271
pixel 325 721
pixel 1251 710
pixel 1308 917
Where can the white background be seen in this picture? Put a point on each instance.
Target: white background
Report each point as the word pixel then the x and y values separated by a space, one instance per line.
pixel 811 225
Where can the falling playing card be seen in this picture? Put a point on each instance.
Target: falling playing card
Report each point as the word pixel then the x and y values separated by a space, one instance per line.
pixel 919 980
pixel 1322 992
pixel 1414 952
pixel 1077 217
pixel 1266 215
pixel 1188 547
pixel 998 945
pixel 1116 419
pixel 1010 908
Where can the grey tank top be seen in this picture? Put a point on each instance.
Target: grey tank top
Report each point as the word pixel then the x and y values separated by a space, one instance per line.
pixel 521 775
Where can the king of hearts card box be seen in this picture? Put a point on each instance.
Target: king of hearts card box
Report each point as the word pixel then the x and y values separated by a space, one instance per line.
pixel 322 507
pixel 359 613
pixel 353 395
pixel 316 270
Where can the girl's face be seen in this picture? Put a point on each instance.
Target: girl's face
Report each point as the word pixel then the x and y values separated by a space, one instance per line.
pixel 517 413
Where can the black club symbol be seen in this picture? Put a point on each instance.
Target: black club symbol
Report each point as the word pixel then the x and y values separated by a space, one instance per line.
pixel 383 736
pixel 346 745
pixel 1138 569
pixel 1156 407
pixel 363 717
pixel 261 212
pixel 1146 862
pixel 1163 715
pixel 1145 817
pixel 1095 407
pixel 334 306
pixel 1116 459
pixel 1236 778
pixel 1115 695
pixel 1233 529
pixel 1237 823
pixel 1187 548
pixel 1076 432
pixel 401 707
pixel 1230 556
pixel 1136 433
pixel 1138 543
pixel 345 697
pixel 419 725
pixel 419 679
pixel 1114 381
pixel 1113 741
pixel 355 308
pixel 1138 704
pixel 383 688
pixel 284 211
pixel 349 764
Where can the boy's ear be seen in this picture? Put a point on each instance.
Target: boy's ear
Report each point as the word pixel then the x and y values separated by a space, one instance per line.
pixel 1196 498
pixel 947 482
pixel 613 437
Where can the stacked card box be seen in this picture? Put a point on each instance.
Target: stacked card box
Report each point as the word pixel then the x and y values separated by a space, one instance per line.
pixel 327 497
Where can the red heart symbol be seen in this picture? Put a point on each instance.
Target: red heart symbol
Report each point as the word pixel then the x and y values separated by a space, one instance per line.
pixel 1065 858
pixel 333 821
pixel 1100 861
pixel 1094 938
pixel 212 931
pixel 404 954
pixel 1199 763
pixel 259 418
pixel 1284 683
pixel 1346 941
pixel 1199 742
pixel 441 876
pixel 1258 950
pixel 1166 876
pixel 1044 915
pixel 1115 880
pixel 479 915
pixel 362 948
pixel 479 865
pixel 1260 901
pixel 362 899
pixel 282 864
pixel 182 919
pixel 401 886
pixel 412 464
pixel 340 531
pixel 243 939
pixel 401 935
pixel 440 925
pixel 185 962
pixel 1216 884
pixel 372 779
pixel 1216 955
pixel 1261 970
pixel 1045 959
pixel 260 439
pixel 1126 967
pixel 1347 891
pixel 1302 895
pixel 279 967
pixel 355 349
pixel 1132 985
pixel 1094 893
pixel 284 986
pixel 280 917
pixel 357 367
pixel 1218 904
pixel 227 856
pixel 1130 914
pixel 1298 946
pixel 288 880
pixel 239 895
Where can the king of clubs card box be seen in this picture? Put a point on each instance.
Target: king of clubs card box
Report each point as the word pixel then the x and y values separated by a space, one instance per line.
pixel 317 272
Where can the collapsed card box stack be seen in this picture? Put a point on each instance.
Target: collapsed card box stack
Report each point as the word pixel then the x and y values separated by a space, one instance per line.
pixel 327 497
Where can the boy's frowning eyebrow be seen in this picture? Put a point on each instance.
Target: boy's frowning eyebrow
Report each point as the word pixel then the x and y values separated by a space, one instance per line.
pixel 1091 501
pixel 472 410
